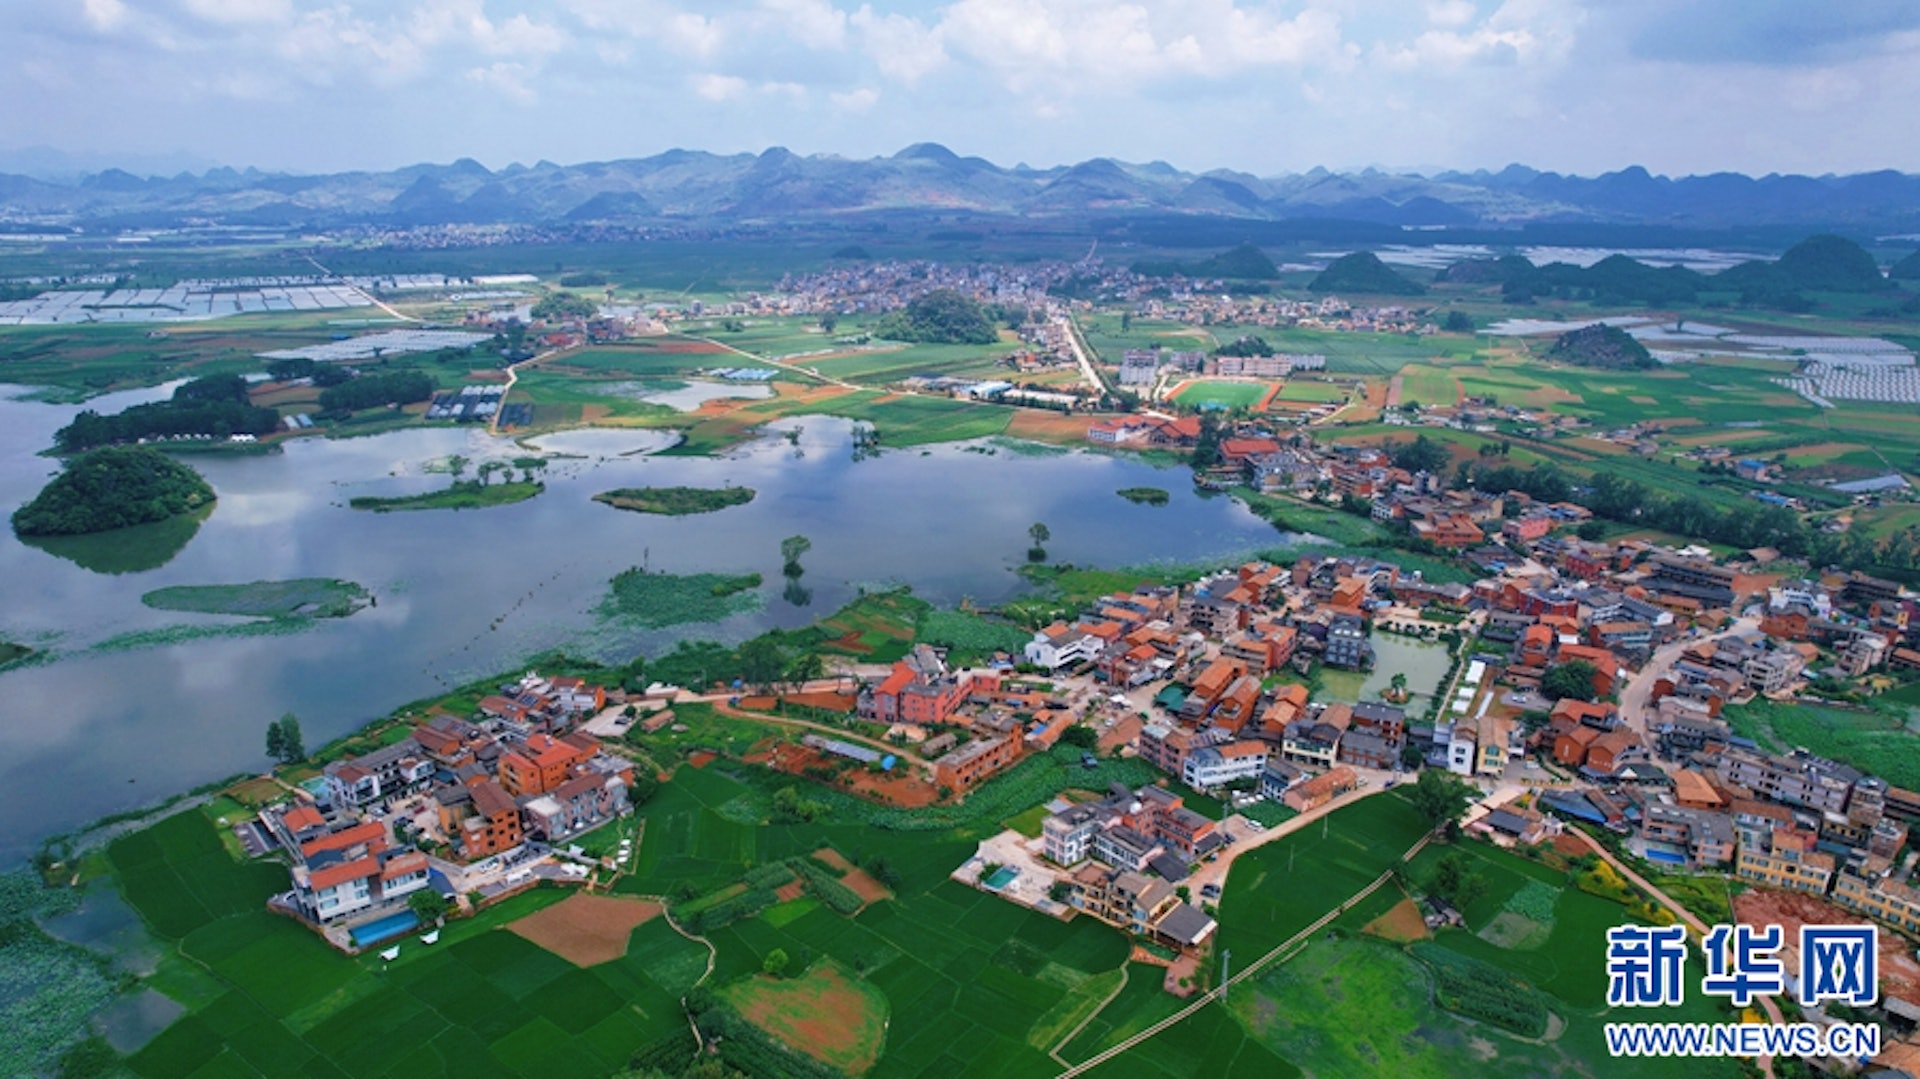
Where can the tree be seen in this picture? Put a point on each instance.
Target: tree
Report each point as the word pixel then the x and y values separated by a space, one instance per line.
pixel 1441 796
pixel 284 742
pixel 775 962
pixel 1591 531
pixel 791 549
pixel 1410 757
pixel 1572 679
pixel 1454 880
pixel 761 663
pixel 827 323
pixel 1040 534
pixel 428 905
pixel 1422 454
pixel 457 465
pixel 806 667
pixel 1458 322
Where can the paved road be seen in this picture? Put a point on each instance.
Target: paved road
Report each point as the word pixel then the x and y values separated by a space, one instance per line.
pixel 1639 688
pixel 1242 974
pixel 1692 921
pixel 1080 354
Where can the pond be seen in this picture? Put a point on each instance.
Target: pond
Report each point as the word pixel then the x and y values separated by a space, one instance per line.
pixel 136 704
pixel 1423 662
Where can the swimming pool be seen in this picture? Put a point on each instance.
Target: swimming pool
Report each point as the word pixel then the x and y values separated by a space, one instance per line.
pixel 1655 854
pixel 1001 877
pixel 381 929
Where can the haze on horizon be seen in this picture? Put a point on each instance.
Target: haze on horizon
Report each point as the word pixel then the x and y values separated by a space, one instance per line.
pixel 1582 86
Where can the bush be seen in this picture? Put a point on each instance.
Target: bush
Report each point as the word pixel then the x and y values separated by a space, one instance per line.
pixel 771 877
pixel 825 884
pixel 1483 991
pixel 728 911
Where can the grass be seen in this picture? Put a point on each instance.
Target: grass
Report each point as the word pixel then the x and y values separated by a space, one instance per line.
pixel 1279 889
pixel 827 1013
pixel 1311 392
pixel 1145 496
pixel 675 501
pixel 1879 741
pixel 463 495
pixel 306 597
pixel 1219 393
pixel 962 972
pixel 970 638
pixel 271 998
pixel 10 652
pixel 1028 823
pixel 655 600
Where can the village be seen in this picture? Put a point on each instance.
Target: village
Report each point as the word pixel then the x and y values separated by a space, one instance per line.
pixel 1575 680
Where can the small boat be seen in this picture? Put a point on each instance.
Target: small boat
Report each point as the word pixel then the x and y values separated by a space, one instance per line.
pixel 391 954
pixel 431 938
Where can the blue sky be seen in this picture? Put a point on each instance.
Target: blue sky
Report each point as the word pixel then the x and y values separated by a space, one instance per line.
pixel 1680 86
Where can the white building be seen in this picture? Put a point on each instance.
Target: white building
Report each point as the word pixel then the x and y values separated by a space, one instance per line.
pixel 1060 645
pixel 1216 766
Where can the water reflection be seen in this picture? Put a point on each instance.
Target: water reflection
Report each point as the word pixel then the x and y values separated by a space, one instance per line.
pixel 126 550
pixel 465 595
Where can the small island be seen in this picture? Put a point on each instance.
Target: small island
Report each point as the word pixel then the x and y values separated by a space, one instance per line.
pixel 676 501
pixel 112 488
pixel 658 600
pixel 463 495
pixel 305 597
pixel 10 652
pixel 1145 496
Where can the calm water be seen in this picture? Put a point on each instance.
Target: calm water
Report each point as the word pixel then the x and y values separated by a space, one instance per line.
pixel 466 594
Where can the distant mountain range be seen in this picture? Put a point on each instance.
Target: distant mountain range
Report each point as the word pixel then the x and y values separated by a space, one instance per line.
pixel 777 186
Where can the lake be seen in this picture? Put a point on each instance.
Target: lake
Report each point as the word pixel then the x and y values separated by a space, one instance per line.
pixel 465 594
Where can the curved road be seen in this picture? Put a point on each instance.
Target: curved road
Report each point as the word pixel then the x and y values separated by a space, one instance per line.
pixel 1639 689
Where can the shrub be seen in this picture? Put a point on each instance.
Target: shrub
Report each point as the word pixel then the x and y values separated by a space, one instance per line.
pixel 837 896
pixel 1482 991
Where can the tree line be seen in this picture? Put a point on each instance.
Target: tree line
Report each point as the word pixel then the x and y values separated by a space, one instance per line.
pixel 215 406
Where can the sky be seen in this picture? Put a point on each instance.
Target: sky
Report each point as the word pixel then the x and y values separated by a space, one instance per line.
pixel 1581 86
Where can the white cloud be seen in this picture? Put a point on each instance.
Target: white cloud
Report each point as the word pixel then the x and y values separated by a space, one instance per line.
pixel 855 101
pixel 1450 12
pixel 104 15
pixel 520 36
pixel 694 33
pixel 715 87
pixel 902 48
pixel 507 78
pixel 241 12
pixel 816 24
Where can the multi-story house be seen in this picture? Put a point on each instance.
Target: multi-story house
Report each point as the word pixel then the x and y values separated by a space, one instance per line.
pixel 974 763
pixel 1706 838
pixel 1786 858
pixel 1217 766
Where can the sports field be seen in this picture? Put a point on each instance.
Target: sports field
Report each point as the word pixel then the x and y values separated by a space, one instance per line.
pixel 1221 393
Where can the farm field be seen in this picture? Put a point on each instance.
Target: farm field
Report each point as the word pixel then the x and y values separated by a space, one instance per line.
pixel 1103 333
pixel 1308 391
pixel 1880 740
pixel 76 362
pixel 826 1013
pixel 966 978
pixel 276 1000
